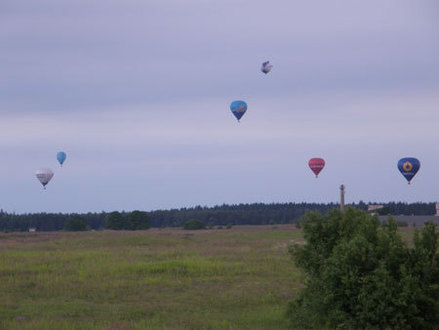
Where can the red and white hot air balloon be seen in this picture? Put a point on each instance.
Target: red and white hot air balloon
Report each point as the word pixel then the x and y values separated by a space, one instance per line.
pixel 316 165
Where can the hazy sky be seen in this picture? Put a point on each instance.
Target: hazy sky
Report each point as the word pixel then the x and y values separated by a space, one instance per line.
pixel 137 94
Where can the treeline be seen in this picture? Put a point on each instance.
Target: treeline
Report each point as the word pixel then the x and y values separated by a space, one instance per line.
pixel 239 214
pixel 47 221
pixel 408 209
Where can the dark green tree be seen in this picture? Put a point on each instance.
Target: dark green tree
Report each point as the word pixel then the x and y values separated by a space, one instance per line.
pixel 115 221
pixel 384 211
pixel 76 223
pixel 194 224
pixel 361 274
pixel 137 220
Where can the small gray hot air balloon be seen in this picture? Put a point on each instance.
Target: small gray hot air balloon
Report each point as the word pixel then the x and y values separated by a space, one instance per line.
pixel 44 175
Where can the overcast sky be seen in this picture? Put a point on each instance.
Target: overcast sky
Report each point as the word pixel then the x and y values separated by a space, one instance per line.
pixel 137 94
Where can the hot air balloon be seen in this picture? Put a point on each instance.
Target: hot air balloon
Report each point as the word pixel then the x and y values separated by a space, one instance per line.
pixel 408 167
pixel 316 165
pixel 44 175
pixel 266 67
pixel 238 108
pixel 61 156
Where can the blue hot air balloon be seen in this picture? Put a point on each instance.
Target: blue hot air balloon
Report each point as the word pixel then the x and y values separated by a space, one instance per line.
pixel 238 108
pixel 408 167
pixel 61 156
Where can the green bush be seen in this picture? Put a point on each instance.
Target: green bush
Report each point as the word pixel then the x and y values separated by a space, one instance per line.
pixel 194 225
pixel 137 220
pixel 229 226
pixel 384 211
pixel 115 221
pixel 402 224
pixel 361 274
pixel 76 223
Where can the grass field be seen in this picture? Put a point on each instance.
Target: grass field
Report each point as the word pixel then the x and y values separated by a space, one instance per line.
pixel 240 278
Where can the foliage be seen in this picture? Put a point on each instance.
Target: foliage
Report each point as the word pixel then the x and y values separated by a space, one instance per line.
pixel 229 226
pixel 220 215
pixel 194 224
pixel 46 221
pixel 384 211
pixel 137 220
pixel 402 223
pixel 115 221
pixel 76 223
pixel 361 274
pixel 239 214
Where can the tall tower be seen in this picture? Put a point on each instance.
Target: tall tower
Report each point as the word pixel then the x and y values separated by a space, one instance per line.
pixel 342 197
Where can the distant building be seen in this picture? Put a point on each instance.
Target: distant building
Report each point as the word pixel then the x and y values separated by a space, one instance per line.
pixel 32 229
pixel 374 207
pixel 437 209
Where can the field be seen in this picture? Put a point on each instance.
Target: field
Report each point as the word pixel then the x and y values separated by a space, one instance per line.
pixel 239 278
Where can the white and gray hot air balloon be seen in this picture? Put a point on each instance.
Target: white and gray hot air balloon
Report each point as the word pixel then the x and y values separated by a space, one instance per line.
pixel 44 175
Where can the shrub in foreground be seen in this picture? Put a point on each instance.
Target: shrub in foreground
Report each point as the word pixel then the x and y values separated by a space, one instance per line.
pixel 361 274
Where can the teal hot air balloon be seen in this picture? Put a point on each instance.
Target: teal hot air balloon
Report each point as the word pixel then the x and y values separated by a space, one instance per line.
pixel 238 108
pixel 408 167
pixel 61 156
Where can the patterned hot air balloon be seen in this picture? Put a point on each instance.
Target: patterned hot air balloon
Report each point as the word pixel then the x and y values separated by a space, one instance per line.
pixel 408 167
pixel 44 175
pixel 316 165
pixel 266 67
pixel 238 108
